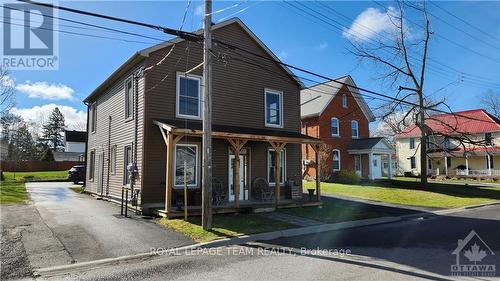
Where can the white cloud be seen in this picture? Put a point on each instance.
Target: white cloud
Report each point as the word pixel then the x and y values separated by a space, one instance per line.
pixel 323 46
pixel 199 10
pixel 283 55
pixel 44 90
pixel 369 24
pixel 74 119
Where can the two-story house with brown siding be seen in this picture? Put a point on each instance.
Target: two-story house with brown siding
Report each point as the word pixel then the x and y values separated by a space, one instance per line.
pixel 338 115
pixel 148 115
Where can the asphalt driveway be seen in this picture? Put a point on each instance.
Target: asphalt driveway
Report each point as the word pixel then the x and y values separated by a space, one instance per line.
pixel 90 229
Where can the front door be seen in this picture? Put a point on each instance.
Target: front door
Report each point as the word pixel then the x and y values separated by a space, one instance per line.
pixel 377 166
pixel 243 192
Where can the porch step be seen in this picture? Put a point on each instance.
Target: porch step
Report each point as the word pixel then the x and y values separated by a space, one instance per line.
pixel 263 209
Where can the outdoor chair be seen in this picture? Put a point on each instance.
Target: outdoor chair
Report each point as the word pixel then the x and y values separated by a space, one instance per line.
pixel 219 194
pixel 263 190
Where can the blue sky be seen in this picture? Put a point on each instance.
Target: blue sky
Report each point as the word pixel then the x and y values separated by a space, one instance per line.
pixel 295 37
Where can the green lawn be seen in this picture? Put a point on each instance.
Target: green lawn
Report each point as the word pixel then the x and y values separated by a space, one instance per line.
pixel 413 194
pixel 230 225
pixel 37 176
pixel 12 190
pixel 333 212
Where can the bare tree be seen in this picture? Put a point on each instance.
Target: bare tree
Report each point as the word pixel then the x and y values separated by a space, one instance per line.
pixel 491 102
pixel 401 56
pixel 6 91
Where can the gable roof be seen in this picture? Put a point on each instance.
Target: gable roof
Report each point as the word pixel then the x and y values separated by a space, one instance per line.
pixel 368 143
pixel 315 99
pixel 470 122
pixel 75 136
pixel 144 53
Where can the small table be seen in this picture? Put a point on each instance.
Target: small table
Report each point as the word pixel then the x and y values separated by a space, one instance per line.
pixel 311 193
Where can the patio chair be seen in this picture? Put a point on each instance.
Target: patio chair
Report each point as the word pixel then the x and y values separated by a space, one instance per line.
pixel 219 194
pixel 263 190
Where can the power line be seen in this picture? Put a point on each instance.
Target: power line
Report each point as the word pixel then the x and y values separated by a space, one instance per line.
pixel 464 21
pixel 195 37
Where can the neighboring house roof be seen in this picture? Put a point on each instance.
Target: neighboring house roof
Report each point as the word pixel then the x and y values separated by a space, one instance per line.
pixel 315 99
pixel 76 136
pixel 138 56
pixel 463 122
pixel 367 143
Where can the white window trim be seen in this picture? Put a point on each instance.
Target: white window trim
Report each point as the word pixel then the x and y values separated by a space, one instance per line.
pixel 344 101
pixel 195 184
pixel 130 78
pixel 281 108
pixel 358 156
pixel 338 127
pixel 177 95
pixel 92 165
pixel 340 167
pixel 283 165
pixel 125 172
pixel 112 159
pixel 357 129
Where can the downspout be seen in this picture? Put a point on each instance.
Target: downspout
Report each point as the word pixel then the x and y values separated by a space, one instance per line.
pixel 86 144
pixel 109 155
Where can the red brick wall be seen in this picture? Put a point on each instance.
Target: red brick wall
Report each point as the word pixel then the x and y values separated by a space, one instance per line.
pixel 345 116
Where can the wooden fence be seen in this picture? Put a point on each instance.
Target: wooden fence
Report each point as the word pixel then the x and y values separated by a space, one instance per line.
pixel 36 166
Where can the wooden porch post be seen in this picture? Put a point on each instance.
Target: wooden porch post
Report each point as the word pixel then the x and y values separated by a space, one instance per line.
pixel 236 146
pixel 446 165
pixel 168 172
pixel 278 148
pixel 318 172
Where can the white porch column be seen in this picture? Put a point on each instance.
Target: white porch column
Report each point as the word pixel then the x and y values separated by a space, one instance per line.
pixel 446 165
pixel 488 163
pixel 389 168
pixel 466 165
pixel 370 166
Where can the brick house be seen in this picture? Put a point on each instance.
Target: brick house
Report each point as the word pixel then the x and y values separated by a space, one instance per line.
pixel 340 117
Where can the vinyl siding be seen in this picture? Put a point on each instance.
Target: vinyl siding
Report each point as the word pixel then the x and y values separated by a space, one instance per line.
pixel 112 103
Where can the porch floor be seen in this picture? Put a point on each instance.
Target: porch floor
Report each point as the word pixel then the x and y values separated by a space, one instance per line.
pixel 245 207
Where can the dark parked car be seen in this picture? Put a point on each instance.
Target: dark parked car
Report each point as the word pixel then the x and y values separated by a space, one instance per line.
pixel 77 174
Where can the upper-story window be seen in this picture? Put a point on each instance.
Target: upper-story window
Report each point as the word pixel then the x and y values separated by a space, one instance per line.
pixel 188 96
pixel 334 124
pixel 354 129
pixel 93 117
pixel 488 140
pixel 274 108
pixel 412 143
pixel 344 101
pixel 447 143
pixel 129 98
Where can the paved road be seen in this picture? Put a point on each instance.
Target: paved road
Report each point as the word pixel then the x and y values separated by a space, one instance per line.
pixel 408 250
pixel 90 229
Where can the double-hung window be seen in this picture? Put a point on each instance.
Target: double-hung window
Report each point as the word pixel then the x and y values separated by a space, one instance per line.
pixel 413 163
pixel 186 155
pixel 488 140
pixel 93 117
pixel 274 108
pixel 412 143
pixel 334 123
pixel 336 160
pixel 271 166
pixel 354 129
pixel 188 96
pixel 129 98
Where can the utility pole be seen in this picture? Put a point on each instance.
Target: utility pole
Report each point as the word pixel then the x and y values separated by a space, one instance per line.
pixel 206 213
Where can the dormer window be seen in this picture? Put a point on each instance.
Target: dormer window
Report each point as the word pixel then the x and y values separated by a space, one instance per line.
pixel 344 101
pixel 488 140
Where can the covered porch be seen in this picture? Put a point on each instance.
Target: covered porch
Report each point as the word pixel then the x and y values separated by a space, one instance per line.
pixel 376 150
pixel 252 168
pixel 480 162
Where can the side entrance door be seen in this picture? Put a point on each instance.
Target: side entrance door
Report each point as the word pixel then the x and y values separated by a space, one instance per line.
pixel 377 166
pixel 242 178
